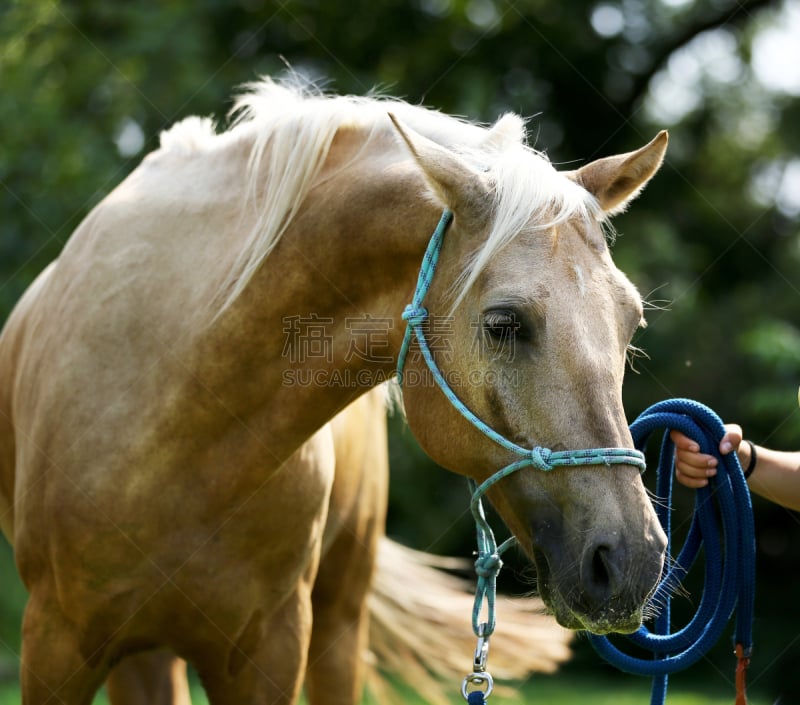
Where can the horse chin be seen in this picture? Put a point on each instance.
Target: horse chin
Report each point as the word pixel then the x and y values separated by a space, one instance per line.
pixel 615 626
pixel 607 623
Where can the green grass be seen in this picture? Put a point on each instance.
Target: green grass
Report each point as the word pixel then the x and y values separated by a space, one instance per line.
pixel 9 695
pixel 625 690
pixel 588 690
pixel 561 689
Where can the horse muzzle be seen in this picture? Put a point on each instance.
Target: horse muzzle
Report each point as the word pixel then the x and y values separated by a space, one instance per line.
pixel 602 586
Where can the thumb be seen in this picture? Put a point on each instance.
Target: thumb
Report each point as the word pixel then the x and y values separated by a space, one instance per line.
pixel 732 438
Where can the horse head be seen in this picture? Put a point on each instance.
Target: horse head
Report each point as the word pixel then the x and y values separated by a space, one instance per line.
pixel 529 321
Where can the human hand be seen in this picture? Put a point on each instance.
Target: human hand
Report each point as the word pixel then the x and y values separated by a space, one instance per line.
pixel 693 468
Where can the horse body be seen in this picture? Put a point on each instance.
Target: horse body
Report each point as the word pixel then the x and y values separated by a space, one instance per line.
pixel 145 371
pixel 108 578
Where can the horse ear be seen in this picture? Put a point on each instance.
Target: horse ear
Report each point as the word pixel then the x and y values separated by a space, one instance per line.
pixel 616 181
pixel 455 182
pixel 509 129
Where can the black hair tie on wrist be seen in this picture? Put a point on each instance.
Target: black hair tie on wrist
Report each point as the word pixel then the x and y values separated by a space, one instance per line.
pixel 753 459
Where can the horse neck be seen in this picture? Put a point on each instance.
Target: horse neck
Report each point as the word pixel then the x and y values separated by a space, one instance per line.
pixel 320 323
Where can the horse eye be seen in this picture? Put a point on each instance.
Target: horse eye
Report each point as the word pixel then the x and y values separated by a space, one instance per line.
pixel 501 325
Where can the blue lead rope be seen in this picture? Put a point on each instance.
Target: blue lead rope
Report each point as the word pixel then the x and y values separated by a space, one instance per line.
pixel 722 525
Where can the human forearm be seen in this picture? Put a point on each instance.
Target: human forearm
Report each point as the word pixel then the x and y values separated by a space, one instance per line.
pixel 776 475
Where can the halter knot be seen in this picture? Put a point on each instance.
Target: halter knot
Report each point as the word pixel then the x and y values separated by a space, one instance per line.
pixel 540 458
pixel 488 565
pixel 414 315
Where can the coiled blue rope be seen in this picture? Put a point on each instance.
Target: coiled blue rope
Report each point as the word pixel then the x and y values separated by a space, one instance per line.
pixel 722 525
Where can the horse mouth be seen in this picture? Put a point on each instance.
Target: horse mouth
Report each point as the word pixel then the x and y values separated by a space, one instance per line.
pixel 610 617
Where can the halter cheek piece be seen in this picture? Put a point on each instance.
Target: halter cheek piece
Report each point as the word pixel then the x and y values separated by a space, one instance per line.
pixel 488 563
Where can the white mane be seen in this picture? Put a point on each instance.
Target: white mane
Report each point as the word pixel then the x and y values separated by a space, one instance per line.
pixel 189 135
pixel 293 128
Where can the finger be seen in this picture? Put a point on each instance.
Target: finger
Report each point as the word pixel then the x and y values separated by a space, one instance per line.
pixel 734 430
pixel 697 461
pixel 683 442
pixel 689 481
pixel 731 440
pixel 695 471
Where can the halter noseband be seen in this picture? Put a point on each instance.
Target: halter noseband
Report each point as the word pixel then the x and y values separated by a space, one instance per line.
pixel 488 563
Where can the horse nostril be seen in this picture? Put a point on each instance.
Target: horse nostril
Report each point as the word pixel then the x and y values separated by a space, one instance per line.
pixel 600 573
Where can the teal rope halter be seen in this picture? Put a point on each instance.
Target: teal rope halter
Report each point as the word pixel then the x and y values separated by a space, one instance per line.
pixel 488 563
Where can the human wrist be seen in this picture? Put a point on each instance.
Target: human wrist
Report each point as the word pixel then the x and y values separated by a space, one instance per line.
pixel 749 463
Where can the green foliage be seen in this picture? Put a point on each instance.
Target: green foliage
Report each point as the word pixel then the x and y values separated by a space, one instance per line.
pixel 11 605
pixel 714 243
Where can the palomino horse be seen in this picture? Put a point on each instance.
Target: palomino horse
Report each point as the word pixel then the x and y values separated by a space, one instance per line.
pixel 150 393
pixel 419 635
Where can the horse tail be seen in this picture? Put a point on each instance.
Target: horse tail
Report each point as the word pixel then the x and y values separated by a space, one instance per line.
pixel 420 629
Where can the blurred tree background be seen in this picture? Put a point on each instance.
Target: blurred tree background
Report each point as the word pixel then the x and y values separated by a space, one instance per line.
pixel 713 244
